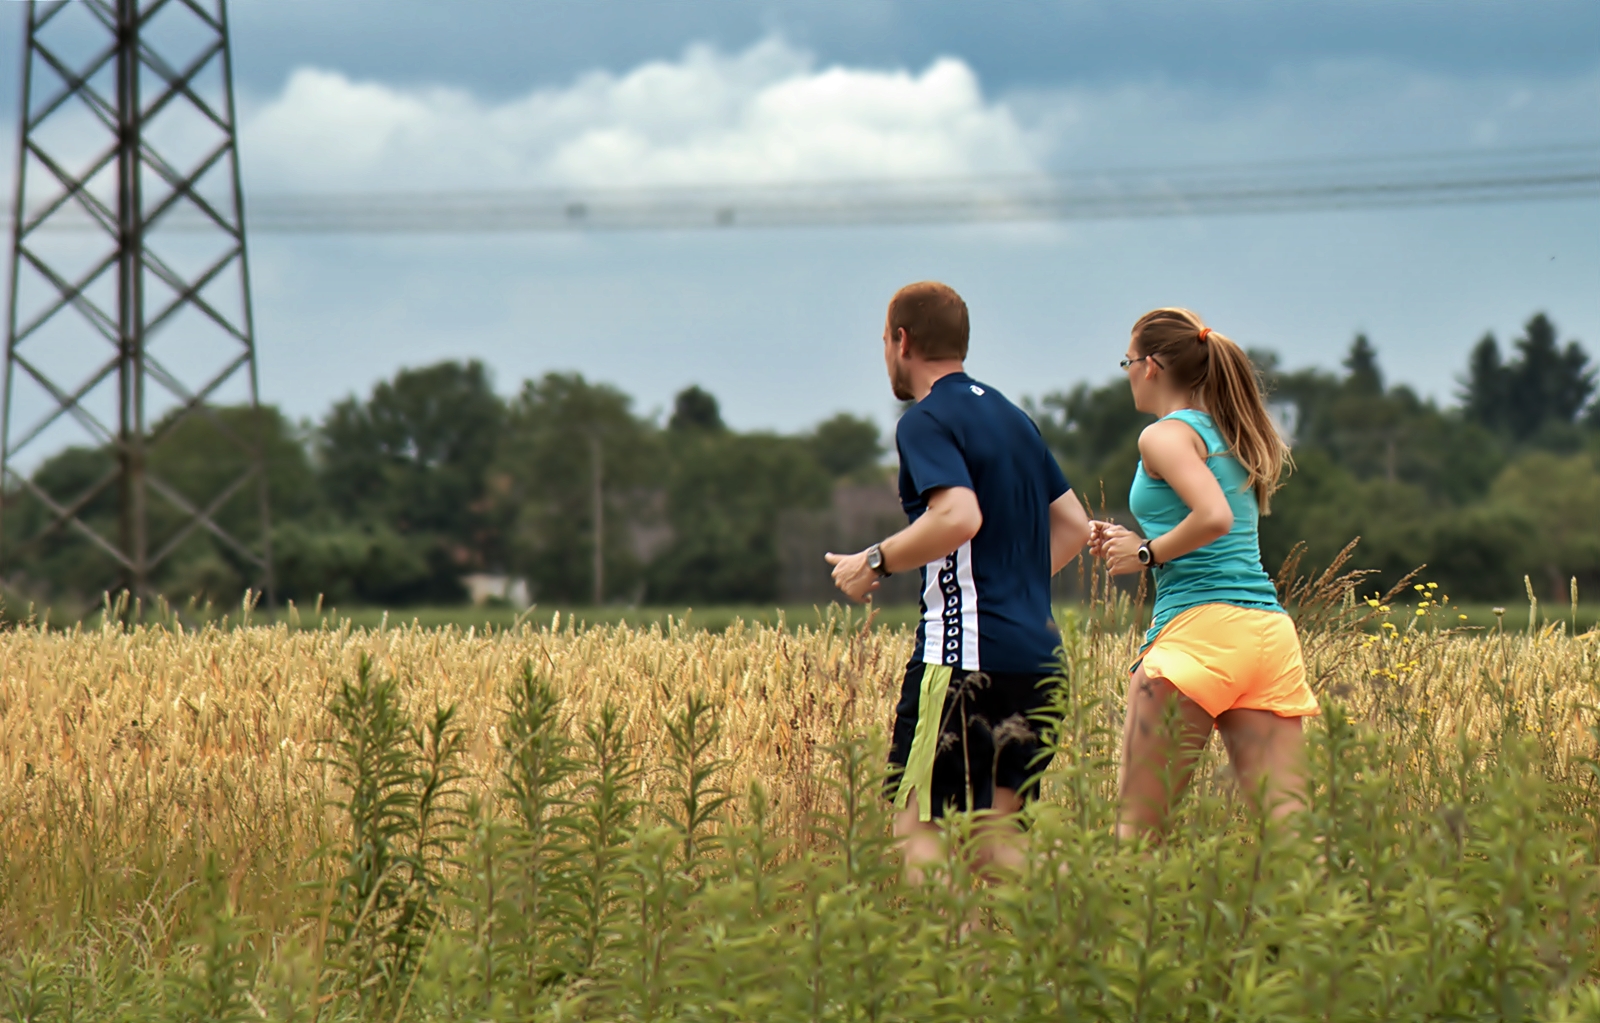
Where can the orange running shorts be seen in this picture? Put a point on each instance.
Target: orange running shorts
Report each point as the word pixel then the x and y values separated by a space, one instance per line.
pixel 1233 658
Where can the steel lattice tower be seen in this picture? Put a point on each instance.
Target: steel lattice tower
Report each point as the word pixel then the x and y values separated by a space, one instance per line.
pixel 129 315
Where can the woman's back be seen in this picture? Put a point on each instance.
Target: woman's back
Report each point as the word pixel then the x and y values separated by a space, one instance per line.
pixel 1226 571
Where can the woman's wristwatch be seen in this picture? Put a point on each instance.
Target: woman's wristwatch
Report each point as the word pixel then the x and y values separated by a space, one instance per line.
pixel 1147 557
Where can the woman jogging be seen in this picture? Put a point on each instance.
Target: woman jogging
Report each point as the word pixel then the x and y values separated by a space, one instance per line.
pixel 1221 652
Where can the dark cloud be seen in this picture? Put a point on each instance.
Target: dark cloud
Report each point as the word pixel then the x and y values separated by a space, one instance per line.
pixel 502 47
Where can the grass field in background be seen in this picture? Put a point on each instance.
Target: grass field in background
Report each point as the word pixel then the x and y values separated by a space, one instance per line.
pixel 714 618
pixel 717 617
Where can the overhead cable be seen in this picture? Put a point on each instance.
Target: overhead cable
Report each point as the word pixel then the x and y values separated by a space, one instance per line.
pixel 1385 182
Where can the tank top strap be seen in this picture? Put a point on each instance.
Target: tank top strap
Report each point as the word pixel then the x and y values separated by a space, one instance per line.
pixel 1201 423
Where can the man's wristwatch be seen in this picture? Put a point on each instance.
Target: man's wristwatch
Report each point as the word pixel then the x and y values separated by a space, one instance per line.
pixel 1147 557
pixel 875 560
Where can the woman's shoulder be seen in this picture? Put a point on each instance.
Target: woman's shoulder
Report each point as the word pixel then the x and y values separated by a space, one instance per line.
pixel 1170 430
pixel 1194 426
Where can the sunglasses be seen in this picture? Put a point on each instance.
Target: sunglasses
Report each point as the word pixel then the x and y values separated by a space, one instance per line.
pixel 1126 362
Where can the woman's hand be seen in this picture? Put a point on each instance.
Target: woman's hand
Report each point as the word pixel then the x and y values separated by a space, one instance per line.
pixel 1117 545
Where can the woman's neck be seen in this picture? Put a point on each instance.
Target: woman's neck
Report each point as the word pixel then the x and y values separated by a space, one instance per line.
pixel 1167 404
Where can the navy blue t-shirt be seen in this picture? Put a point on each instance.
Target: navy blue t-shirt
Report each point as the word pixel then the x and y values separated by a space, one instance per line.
pixel 986 606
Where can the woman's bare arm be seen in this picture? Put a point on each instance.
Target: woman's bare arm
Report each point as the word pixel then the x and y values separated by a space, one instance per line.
pixel 1171 451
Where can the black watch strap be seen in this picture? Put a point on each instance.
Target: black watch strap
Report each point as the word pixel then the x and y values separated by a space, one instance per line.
pixel 875 560
pixel 1147 557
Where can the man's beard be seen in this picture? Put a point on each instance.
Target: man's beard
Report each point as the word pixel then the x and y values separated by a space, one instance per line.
pixel 900 382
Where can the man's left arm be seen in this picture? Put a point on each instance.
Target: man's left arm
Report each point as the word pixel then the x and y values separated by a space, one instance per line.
pixel 952 518
pixel 1069 530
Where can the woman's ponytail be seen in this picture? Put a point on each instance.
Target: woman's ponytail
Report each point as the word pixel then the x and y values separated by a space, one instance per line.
pixel 1223 376
pixel 1233 396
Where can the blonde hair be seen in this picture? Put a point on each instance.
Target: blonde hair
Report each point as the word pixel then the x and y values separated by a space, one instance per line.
pixel 1218 370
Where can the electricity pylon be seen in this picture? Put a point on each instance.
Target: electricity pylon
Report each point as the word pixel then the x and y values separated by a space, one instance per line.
pixel 129 315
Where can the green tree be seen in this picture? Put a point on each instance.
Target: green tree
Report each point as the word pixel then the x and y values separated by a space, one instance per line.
pixel 566 440
pixel 695 409
pixel 1388 432
pixel 341 562
pixel 1094 434
pixel 1558 496
pixel 1484 392
pixel 415 452
pixel 1544 385
pixel 723 500
pixel 1362 366
pixel 413 458
pixel 846 445
pixel 1547 382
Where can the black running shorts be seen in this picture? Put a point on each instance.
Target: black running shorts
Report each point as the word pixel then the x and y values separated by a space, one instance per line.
pixel 959 734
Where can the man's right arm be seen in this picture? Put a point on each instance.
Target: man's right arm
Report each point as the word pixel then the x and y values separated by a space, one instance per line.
pixel 952 518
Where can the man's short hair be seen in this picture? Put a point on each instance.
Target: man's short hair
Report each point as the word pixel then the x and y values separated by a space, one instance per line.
pixel 934 318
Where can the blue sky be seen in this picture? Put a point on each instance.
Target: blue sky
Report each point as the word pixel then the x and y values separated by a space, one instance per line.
pixel 361 95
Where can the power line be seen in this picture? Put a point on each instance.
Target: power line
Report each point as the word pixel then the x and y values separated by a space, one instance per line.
pixel 1564 172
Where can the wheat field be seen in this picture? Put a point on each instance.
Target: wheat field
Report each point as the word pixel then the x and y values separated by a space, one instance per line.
pixel 126 754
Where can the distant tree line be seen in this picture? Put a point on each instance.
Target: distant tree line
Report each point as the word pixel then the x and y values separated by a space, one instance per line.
pixel 1501 485
pixel 393 498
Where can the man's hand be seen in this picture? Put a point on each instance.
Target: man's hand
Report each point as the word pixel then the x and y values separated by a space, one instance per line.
pixel 853 575
pixel 1117 546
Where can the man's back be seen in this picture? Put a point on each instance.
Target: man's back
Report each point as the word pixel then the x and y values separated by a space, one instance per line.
pixel 987 605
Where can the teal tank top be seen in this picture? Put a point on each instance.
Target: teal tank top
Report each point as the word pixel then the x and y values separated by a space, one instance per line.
pixel 1227 570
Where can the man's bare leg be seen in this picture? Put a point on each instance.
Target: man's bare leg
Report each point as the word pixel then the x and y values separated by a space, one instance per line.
pixel 1002 840
pixel 922 842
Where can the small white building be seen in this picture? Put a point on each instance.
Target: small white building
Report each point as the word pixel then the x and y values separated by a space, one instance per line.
pixel 482 587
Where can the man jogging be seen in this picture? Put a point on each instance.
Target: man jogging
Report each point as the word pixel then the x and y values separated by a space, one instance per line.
pixel 992 519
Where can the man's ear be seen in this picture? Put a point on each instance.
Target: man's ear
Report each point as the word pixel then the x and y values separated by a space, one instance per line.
pixel 903 341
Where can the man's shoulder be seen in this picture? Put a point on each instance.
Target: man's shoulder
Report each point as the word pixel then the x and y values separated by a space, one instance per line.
pixel 956 403
pixel 976 398
pixel 958 396
pixel 918 419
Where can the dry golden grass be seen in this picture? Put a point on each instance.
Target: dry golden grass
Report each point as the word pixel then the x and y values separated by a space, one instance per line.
pixel 124 754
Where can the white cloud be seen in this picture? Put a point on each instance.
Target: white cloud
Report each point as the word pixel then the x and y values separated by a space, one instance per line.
pixel 768 114
pixel 772 114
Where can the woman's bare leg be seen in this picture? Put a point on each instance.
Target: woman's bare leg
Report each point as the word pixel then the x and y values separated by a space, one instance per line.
pixel 1268 756
pixel 1161 742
